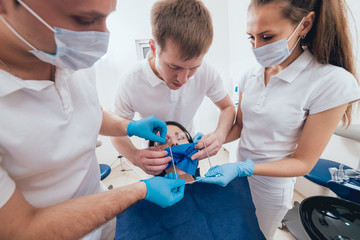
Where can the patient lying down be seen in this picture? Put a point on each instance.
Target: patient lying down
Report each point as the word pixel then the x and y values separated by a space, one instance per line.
pixel 207 211
pixel 180 146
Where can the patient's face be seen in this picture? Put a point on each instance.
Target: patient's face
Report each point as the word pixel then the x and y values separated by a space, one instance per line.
pixel 174 136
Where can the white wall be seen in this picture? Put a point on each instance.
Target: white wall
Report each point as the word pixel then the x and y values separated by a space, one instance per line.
pixel 219 57
pixel 241 56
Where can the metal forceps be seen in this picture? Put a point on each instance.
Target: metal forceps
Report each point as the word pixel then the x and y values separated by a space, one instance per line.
pixel 172 159
pixel 207 154
pixel 217 175
pixel 197 180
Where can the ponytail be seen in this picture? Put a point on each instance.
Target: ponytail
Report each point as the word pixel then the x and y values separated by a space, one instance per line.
pixel 330 41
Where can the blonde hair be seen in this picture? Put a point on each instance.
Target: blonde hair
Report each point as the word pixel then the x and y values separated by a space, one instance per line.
pixel 186 23
pixel 329 39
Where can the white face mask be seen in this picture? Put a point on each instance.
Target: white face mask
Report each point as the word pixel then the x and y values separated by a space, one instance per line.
pixel 74 50
pixel 275 53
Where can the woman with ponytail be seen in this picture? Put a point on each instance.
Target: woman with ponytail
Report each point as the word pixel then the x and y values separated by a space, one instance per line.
pixel 290 105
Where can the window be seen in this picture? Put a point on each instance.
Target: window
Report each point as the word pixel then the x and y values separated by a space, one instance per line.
pixel 142 48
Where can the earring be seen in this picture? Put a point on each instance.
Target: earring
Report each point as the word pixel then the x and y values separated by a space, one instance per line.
pixel 303 36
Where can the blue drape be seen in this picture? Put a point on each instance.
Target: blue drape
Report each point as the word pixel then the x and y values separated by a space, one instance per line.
pixel 182 157
pixel 207 211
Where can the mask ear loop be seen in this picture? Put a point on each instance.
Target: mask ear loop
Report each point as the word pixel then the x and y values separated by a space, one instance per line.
pixel 172 159
pixel 35 15
pixel 16 33
pixel 207 155
pixel 298 26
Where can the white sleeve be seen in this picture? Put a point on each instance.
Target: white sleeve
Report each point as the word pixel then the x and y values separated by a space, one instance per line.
pixel 339 89
pixel 215 88
pixel 122 105
pixel 7 187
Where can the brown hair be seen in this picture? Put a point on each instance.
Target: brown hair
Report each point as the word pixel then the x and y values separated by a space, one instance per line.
pixel 186 23
pixel 329 39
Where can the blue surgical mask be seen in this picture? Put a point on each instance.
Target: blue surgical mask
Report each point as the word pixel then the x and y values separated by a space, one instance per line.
pixel 74 50
pixel 275 53
pixel 182 157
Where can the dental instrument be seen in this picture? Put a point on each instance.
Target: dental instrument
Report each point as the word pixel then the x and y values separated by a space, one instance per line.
pixel 207 154
pixel 172 159
pixel 197 180
pixel 217 175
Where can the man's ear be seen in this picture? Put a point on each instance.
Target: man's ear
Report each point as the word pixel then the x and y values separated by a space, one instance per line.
pixel 152 46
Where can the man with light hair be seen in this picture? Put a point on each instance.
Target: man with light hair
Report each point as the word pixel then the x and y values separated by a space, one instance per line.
pixel 173 80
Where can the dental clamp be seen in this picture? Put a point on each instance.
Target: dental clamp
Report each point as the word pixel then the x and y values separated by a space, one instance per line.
pixel 207 154
pixel 172 159
pixel 197 180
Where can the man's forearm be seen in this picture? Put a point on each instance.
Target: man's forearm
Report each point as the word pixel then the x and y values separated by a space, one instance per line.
pixel 226 120
pixel 234 133
pixel 113 125
pixel 125 147
pixel 77 217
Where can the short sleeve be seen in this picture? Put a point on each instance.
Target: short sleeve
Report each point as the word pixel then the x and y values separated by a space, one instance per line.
pixel 215 89
pixel 7 187
pixel 122 105
pixel 339 89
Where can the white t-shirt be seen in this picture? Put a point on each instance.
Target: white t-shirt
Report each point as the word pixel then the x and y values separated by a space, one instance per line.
pixel 48 136
pixel 140 90
pixel 274 115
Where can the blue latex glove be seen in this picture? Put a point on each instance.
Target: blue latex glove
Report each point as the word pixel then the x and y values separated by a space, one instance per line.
pixel 197 137
pixel 148 128
pixel 164 191
pixel 172 176
pixel 223 174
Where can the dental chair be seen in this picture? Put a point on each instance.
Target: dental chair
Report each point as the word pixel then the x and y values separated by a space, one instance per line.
pixel 104 168
pixel 324 217
pixel 349 187
pixel 320 173
pixel 300 220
